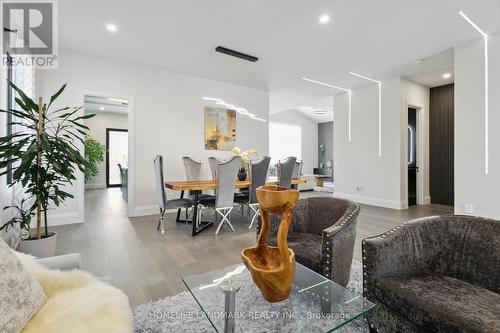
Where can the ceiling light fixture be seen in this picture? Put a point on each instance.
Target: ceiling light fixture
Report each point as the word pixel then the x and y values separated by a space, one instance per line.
pixel 379 108
pixel 111 27
pixel 486 90
pixel 118 100
pixel 324 19
pixel 101 108
pixel 242 111
pixel 419 61
pixel 446 75
pixel 339 88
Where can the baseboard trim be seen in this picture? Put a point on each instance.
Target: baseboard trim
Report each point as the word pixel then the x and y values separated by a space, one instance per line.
pixel 94 186
pixel 63 219
pixel 393 204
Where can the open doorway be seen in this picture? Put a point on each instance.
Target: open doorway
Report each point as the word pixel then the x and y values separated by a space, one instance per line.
pixel 412 156
pixel 107 188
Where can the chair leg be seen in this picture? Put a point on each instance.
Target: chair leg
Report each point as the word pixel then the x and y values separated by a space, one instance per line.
pixel 255 214
pixel 225 218
pixel 161 223
pixel 187 215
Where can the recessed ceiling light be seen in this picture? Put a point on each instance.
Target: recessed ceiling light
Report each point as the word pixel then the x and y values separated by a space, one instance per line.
pixel 419 61
pixel 324 19
pixel 111 27
pixel 446 75
pixel 101 108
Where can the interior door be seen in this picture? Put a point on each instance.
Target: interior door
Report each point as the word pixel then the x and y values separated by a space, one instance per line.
pixel 412 157
pixel 116 154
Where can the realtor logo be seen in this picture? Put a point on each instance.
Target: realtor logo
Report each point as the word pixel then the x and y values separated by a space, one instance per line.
pixel 29 33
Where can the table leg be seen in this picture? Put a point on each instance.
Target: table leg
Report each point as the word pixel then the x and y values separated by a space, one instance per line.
pixel 230 289
pixel 319 182
pixel 195 214
pixel 177 219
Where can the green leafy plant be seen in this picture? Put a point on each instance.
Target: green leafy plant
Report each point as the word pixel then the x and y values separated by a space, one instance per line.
pixel 94 154
pixel 23 216
pixel 44 152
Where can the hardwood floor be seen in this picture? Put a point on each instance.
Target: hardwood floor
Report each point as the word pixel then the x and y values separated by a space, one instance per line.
pixel 131 255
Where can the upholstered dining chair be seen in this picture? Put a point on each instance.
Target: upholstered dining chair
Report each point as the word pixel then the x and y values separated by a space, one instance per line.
pixel 285 171
pixel 258 169
pixel 321 235
pixel 162 195
pixel 297 171
pixel 212 163
pixel 224 194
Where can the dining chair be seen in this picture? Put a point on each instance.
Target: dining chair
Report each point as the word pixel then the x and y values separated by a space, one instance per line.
pixel 258 175
pixel 212 163
pixel 223 201
pixel 297 171
pixel 194 171
pixel 285 171
pixel 162 195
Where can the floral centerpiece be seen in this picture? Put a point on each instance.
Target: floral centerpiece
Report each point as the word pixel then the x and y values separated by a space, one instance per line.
pixel 245 157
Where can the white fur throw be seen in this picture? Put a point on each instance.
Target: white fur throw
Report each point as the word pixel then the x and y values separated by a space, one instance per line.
pixel 77 302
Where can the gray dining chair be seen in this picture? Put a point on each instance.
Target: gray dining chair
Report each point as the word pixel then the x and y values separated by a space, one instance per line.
pixel 162 195
pixel 224 194
pixel 258 175
pixel 194 168
pixel 212 163
pixel 285 171
pixel 297 171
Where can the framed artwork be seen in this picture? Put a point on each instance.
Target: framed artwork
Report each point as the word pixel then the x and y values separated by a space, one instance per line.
pixel 220 128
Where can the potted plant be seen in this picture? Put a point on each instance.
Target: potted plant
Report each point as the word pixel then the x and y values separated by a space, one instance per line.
pixel 94 154
pixel 245 156
pixel 22 217
pixel 45 159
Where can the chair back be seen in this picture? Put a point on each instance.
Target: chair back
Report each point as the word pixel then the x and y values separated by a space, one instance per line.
pixel 160 186
pixel 297 169
pixel 226 180
pixel 212 163
pixel 258 175
pixel 193 168
pixel 285 171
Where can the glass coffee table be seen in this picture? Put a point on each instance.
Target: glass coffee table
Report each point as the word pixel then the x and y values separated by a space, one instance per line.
pixel 233 303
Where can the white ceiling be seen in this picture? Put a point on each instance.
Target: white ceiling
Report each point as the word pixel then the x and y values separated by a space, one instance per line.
pixel 430 72
pixel 368 37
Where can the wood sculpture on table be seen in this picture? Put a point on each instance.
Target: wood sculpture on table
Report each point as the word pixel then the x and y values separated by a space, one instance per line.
pixel 273 268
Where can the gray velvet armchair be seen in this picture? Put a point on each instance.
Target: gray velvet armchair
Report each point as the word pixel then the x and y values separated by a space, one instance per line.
pixel 322 235
pixel 436 274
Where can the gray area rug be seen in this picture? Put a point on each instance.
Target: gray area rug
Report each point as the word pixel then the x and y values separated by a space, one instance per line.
pixel 181 313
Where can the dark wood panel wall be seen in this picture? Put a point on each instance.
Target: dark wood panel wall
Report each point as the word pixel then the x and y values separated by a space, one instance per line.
pixel 441 144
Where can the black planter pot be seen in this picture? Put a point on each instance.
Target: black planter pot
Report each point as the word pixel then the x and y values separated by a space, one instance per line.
pixel 242 174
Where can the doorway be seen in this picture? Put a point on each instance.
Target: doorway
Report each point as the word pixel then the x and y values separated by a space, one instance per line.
pixel 412 156
pixel 116 157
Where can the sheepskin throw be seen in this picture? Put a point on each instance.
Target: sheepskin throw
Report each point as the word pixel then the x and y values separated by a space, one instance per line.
pixel 77 303
pixel 20 294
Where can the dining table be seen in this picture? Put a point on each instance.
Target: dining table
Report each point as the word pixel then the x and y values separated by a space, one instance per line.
pixel 197 186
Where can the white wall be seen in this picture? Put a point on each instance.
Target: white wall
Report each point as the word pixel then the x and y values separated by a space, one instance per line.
pixel 167 118
pixel 293 134
pixel 357 162
pixel 98 125
pixel 472 185
pixel 415 95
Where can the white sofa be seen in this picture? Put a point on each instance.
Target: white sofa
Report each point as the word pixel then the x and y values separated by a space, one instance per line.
pixel 77 302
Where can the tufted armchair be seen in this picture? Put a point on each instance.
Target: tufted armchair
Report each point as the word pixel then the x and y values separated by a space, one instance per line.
pixel 322 235
pixel 435 274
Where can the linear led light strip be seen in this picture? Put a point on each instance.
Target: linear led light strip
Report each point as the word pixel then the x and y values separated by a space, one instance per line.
pixel 339 88
pixel 242 111
pixel 486 91
pixel 379 109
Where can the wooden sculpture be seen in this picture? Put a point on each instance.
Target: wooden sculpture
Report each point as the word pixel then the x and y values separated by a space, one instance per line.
pixel 273 268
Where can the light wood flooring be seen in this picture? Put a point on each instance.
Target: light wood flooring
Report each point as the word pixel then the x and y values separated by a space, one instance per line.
pixel 131 255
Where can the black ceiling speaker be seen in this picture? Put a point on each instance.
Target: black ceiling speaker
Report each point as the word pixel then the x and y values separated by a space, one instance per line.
pixel 236 54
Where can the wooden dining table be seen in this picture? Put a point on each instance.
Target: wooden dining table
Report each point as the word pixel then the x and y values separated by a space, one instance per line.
pixel 197 186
